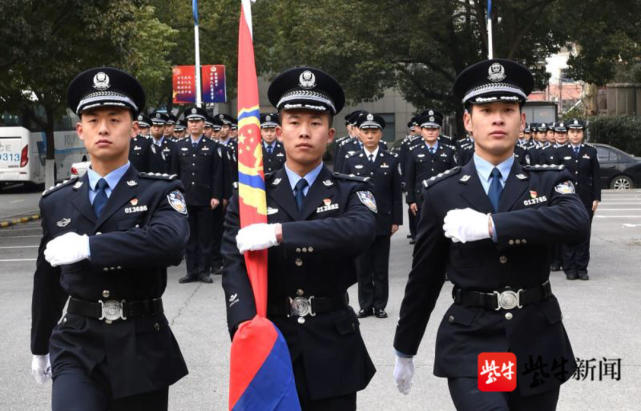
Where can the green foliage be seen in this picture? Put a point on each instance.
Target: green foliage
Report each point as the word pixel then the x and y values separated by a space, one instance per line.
pixel 621 132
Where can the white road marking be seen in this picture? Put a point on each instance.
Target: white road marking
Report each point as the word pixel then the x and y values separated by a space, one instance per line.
pixel 617 216
pixel 20 236
pixel 21 246
pixel 631 225
pixel 15 260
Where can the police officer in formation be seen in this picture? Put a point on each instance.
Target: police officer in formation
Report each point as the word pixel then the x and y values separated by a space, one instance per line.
pixel 580 159
pixel 197 164
pixel 273 150
pixel 108 238
pixel 338 142
pixel 382 170
pixel 161 148
pixel 413 137
pixel 318 223
pixel 139 147
pixel 488 224
pixel 426 159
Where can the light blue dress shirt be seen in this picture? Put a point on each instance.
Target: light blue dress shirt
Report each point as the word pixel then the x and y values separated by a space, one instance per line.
pixel 310 177
pixel 112 180
pixel 484 169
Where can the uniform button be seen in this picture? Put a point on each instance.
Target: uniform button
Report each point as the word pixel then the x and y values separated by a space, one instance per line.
pixel 304 249
pixel 300 292
pixel 298 250
pixel 105 293
pixel 137 225
pixel 298 262
pixel 193 182
pixel 105 269
pixel 517 241
pixel 511 242
pixel 193 164
pixel 450 318
pixel 98 233
pixel 193 174
pixel 119 267
pixel 64 320
pixel 508 316
pixel 156 326
pixel 503 259
pixel 310 249
pixel 524 241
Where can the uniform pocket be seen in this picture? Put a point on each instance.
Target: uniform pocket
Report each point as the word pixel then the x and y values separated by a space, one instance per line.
pixel 346 325
pixel 458 314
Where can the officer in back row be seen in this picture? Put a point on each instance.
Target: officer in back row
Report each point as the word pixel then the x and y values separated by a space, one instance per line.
pixel 426 159
pixel 487 225
pixel 318 223
pixel 413 137
pixel 139 149
pixel 381 168
pixel 582 162
pixel 273 150
pixel 108 238
pixel 161 148
pixel 199 167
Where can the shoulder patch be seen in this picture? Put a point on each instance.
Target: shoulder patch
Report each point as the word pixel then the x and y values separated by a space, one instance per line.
pixel 544 167
pixel 158 176
pixel 350 177
pixel 59 186
pixel 441 176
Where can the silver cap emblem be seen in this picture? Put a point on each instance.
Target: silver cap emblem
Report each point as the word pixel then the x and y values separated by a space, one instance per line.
pixel 307 79
pixel 370 117
pixel 101 81
pixel 496 72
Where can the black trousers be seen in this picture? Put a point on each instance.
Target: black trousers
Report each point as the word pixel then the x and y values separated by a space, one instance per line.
pixel 576 257
pixel 467 397
pixel 342 403
pixel 372 270
pixel 198 251
pixel 412 222
pixel 74 390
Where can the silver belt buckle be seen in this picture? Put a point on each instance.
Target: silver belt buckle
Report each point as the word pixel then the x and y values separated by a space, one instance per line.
pixel 112 310
pixel 301 307
pixel 508 299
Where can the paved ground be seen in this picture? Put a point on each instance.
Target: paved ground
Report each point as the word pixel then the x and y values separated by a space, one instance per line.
pixel 602 317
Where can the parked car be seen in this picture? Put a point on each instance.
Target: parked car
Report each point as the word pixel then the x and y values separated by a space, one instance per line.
pixel 619 170
pixel 80 168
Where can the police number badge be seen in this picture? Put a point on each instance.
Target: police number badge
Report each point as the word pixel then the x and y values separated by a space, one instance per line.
pixel 367 198
pixel 177 201
pixel 566 187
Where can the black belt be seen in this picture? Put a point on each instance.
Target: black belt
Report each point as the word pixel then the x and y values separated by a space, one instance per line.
pixel 506 299
pixel 303 306
pixel 111 310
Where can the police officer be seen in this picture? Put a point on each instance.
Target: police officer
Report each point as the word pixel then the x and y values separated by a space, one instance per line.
pixel 381 167
pixel 427 159
pixel 179 129
pixel 108 238
pixel 413 138
pixel 351 145
pixel 582 162
pixel 170 126
pixel 273 150
pixel 197 164
pixel 139 149
pixel 319 222
pixel 161 148
pixel 487 224
pixel 465 149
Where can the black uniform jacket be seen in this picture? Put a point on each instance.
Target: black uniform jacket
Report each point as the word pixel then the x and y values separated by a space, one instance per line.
pixel 137 236
pixel 585 170
pixel 532 212
pixel 200 169
pixel 385 177
pixel 160 156
pixel 316 256
pixel 422 165
pixel 139 152
pixel 275 160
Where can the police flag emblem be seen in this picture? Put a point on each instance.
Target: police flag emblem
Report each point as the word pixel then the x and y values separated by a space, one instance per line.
pixel 177 201
pixel 367 198
pixel 566 187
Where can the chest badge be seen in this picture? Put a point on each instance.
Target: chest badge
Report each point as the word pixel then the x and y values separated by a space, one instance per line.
pixel 133 201
pixel 276 181
pixel 63 222
pixel 132 183
pixel 327 206
pixel 328 183
pixel 272 211
pixel 358 166
pixel 465 178
pixel 521 176
pixel 533 194
pixel 384 165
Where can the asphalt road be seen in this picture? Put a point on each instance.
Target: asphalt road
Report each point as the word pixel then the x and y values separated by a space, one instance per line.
pixel 18 200
pixel 602 317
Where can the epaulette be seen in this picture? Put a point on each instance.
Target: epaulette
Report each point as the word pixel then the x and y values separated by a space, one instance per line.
pixel 58 186
pixel 544 167
pixel 350 177
pixel 589 145
pixel 430 182
pixel 158 176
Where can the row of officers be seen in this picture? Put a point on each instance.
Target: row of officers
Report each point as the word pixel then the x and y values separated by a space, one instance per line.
pixel 205 160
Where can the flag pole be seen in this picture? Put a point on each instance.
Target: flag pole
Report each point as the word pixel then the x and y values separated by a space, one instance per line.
pixel 197 53
pixel 490 51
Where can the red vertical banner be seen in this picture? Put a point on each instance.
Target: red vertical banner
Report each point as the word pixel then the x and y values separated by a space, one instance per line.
pixel 184 84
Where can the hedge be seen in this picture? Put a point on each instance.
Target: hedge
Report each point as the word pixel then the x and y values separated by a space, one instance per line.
pixel 622 132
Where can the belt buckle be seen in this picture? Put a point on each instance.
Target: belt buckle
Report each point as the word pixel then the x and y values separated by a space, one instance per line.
pixel 112 310
pixel 508 299
pixel 301 307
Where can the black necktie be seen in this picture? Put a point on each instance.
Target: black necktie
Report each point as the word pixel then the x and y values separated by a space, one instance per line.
pixel 576 150
pixel 371 158
pixel 100 199
pixel 494 193
pixel 432 150
pixel 299 194
pixel 269 148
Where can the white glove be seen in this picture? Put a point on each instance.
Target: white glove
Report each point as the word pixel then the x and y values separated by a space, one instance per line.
pixel 256 237
pixel 41 368
pixel 68 248
pixel 403 373
pixel 466 225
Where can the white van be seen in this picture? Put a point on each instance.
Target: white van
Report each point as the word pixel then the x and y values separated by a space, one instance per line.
pixel 22 154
